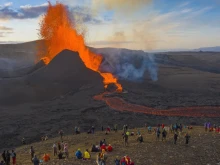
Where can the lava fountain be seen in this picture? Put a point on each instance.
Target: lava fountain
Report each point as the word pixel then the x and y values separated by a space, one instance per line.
pixel 58 32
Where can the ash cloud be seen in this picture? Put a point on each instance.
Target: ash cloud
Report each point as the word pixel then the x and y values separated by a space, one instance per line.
pixel 128 64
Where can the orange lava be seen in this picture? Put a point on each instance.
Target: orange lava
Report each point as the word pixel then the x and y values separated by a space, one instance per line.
pixel 119 104
pixel 59 33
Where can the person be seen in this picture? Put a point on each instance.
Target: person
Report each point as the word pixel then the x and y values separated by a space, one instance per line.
pixel 42 138
pixel 78 154
pixel 8 158
pixel 93 129
pixel 32 152
pixel 149 129
pixel 23 141
pixel 164 134
pixel 76 130
pixel 109 148
pixel 103 158
pixel 125 137
pixel 4 156
pixel 107 130
pixel 54 149
pixel 59 146
pixel 115 127
pixel 87 155
pixel 46 157
pixel 187 138
pixel 128 160
pixel 158 133
pixel 2 163
pixel 60 155
pixel 13 155
pixel 162 125
pixel 61 134
pixel 104 142
pixel 117 161
pixel 35 160
pixel 66 152
pixel 102 128
pixel 175 137
pixel 94 149
pixel 124 129
pixel 103 147
pixel 46 138
pixel 123 161
pixel 140 138
pixel 138 132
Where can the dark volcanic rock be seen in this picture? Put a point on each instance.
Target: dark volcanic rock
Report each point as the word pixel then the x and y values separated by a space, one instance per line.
pixel 65 73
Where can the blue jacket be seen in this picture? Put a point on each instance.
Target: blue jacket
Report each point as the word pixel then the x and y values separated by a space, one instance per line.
pixel 78 154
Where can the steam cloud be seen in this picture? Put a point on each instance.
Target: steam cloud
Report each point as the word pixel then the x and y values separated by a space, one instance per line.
pixel 129 65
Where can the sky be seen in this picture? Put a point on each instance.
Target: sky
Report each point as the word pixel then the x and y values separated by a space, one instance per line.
pixel 133 24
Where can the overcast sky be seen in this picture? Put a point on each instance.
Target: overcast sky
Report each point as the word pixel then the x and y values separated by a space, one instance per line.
pixel 134 24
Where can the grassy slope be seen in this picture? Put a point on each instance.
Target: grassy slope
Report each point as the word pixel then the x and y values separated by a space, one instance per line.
pixel 204 148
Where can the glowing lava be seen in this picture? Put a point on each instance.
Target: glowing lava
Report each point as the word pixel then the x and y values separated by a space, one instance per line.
pixel 58 32
pixel 121 105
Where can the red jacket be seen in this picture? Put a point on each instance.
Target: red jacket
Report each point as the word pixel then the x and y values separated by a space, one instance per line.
pixel 109 148
pixel 103 147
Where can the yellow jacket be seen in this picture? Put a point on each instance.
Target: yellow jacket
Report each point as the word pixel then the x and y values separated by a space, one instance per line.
pixel 87 155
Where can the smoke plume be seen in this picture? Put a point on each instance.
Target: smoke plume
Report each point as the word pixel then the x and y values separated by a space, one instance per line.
pixel 129 65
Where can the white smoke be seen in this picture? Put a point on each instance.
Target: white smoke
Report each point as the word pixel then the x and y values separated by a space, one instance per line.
pixel 129 65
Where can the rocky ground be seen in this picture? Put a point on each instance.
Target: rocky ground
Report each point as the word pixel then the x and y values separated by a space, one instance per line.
pixel 203 148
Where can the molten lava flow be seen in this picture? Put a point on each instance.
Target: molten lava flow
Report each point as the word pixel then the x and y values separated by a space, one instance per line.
pixel 121 105
pixel 58 32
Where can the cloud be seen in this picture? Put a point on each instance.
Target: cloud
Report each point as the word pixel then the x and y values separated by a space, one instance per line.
pixel 24 12
pixel 4 34
pixel 122 6
pixel 4 28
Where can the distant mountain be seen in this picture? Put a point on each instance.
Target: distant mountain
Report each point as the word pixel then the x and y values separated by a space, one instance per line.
pixel 209 49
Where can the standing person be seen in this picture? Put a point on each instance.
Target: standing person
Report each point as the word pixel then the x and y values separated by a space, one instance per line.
pixel 66 152
pixel 8 158
pixel 54 149
pixel 124 129
pixel 125 137
pixel 102 128
pixel 115 127
pixel 158 133
pixel 93 129
pixel 164 134
pixel 103 158
pixel 35 160
pixel 175 137
pixel 4 156
pixel 187 138
pixel 59 146
pixel 13 155
pixel 32 152
pixel 61 134
pixel 23 141
pixel 76 130
pixel 206 126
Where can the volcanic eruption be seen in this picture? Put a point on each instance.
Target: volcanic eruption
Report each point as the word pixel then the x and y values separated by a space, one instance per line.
pixel 58 32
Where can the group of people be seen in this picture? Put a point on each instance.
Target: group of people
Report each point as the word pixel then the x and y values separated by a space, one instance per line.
pixel 6 156
pixel 60 149
pixel 209 127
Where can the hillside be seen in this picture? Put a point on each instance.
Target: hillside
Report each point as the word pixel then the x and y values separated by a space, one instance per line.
pixel 203 148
